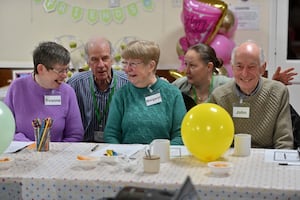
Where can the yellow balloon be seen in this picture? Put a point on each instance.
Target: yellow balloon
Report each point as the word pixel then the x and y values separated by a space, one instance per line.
pixel 207 131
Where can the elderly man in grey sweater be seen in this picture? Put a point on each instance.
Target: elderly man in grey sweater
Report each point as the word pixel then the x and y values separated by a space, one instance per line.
pixel 258 106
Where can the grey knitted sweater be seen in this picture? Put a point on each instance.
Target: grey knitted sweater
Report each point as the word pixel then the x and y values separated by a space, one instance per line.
pixel 270 120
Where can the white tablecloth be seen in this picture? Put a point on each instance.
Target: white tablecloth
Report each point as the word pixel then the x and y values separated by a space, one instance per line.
pixel 55 175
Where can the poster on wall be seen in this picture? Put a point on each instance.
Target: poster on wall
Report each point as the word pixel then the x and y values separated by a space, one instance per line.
pixel 248 16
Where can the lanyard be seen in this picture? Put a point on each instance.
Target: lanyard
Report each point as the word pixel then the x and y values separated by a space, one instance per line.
pixel 209 91
pixel 100 118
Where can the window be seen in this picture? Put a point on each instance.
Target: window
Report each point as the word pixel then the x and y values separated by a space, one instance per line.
pixel 21 73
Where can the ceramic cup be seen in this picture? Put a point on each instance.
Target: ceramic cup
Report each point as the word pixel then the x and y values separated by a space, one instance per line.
pixel 161 147
pixel 242 144
pixel 151 164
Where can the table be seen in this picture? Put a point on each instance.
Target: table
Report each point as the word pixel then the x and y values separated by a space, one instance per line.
pixel 54 175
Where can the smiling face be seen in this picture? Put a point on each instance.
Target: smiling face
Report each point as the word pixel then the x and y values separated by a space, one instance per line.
pixel 247 66
pixel 51 62
pixel 139 74
pixel 140 59
pixel 51 78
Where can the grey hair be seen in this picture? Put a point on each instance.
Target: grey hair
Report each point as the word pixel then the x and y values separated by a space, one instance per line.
pixel 261 52
pixel 49 54
pixel 91 41
pixel 142 49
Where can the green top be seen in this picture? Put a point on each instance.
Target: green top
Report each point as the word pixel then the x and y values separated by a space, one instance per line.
pixel 185 87
pixel 130 120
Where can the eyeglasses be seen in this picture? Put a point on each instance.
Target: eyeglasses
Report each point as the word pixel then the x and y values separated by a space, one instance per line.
pixel 61 72
pixel 131 64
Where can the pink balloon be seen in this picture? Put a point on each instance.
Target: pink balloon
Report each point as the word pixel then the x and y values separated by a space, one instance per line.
pixel 184 43
pixel 199 20
pixel 223 47
pixel 228 68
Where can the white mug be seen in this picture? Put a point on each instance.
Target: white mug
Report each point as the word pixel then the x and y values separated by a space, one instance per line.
pixel 161 147
pixel 242 144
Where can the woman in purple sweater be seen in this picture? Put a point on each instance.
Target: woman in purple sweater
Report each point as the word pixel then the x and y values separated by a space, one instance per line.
pixel 44 94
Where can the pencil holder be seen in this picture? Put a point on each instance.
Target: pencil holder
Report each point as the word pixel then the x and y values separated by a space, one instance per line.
pixel 42 140
pixel 151 164
pixel 42 133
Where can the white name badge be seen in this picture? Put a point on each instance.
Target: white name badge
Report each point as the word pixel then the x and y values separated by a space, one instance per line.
pixel 52 100
pixel 99 136
pixel 241 112
pixel 153 99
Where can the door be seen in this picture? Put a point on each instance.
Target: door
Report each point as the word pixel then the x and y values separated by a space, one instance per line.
pixel 285 51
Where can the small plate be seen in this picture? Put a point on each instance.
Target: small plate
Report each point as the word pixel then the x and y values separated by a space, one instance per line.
pixel 220 168
pixel 86 162
pixel 6 163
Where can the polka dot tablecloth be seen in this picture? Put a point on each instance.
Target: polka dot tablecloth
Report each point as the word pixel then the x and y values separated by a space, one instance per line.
pixel 54 175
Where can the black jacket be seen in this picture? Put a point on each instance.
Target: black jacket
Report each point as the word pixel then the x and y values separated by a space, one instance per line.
pixel 296 126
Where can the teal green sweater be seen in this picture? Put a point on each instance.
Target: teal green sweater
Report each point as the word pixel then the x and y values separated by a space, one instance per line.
pixel 130 120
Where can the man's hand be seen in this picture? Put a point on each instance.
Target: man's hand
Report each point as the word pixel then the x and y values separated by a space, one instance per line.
pixel 285 76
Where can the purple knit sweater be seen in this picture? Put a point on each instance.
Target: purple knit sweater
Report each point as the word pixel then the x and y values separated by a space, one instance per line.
pixel 25 98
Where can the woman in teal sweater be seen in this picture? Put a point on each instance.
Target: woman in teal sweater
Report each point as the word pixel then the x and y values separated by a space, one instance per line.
pixel 147 108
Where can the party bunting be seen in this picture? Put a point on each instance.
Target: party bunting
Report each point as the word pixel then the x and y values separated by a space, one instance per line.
pixel 148 5
pixel 106 16
pixel 77 13
pixel 95 15
pixel 49 5
pixel 119 15
pixel 61 7
pixel 132 9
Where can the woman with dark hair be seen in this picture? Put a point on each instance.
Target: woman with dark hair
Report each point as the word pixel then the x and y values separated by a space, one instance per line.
pixel 201 74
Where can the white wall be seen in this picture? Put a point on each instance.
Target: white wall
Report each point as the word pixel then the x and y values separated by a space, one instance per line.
pixel 24 23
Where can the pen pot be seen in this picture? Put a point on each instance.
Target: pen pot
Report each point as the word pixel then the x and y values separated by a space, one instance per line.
pixel 151 164
pixel 42 139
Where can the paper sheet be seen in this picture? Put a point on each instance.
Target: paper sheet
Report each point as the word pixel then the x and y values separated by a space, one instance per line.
pixel 281 155
pixel 130 149
pixel 17 146
pixel 121 150
pixel 178 151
